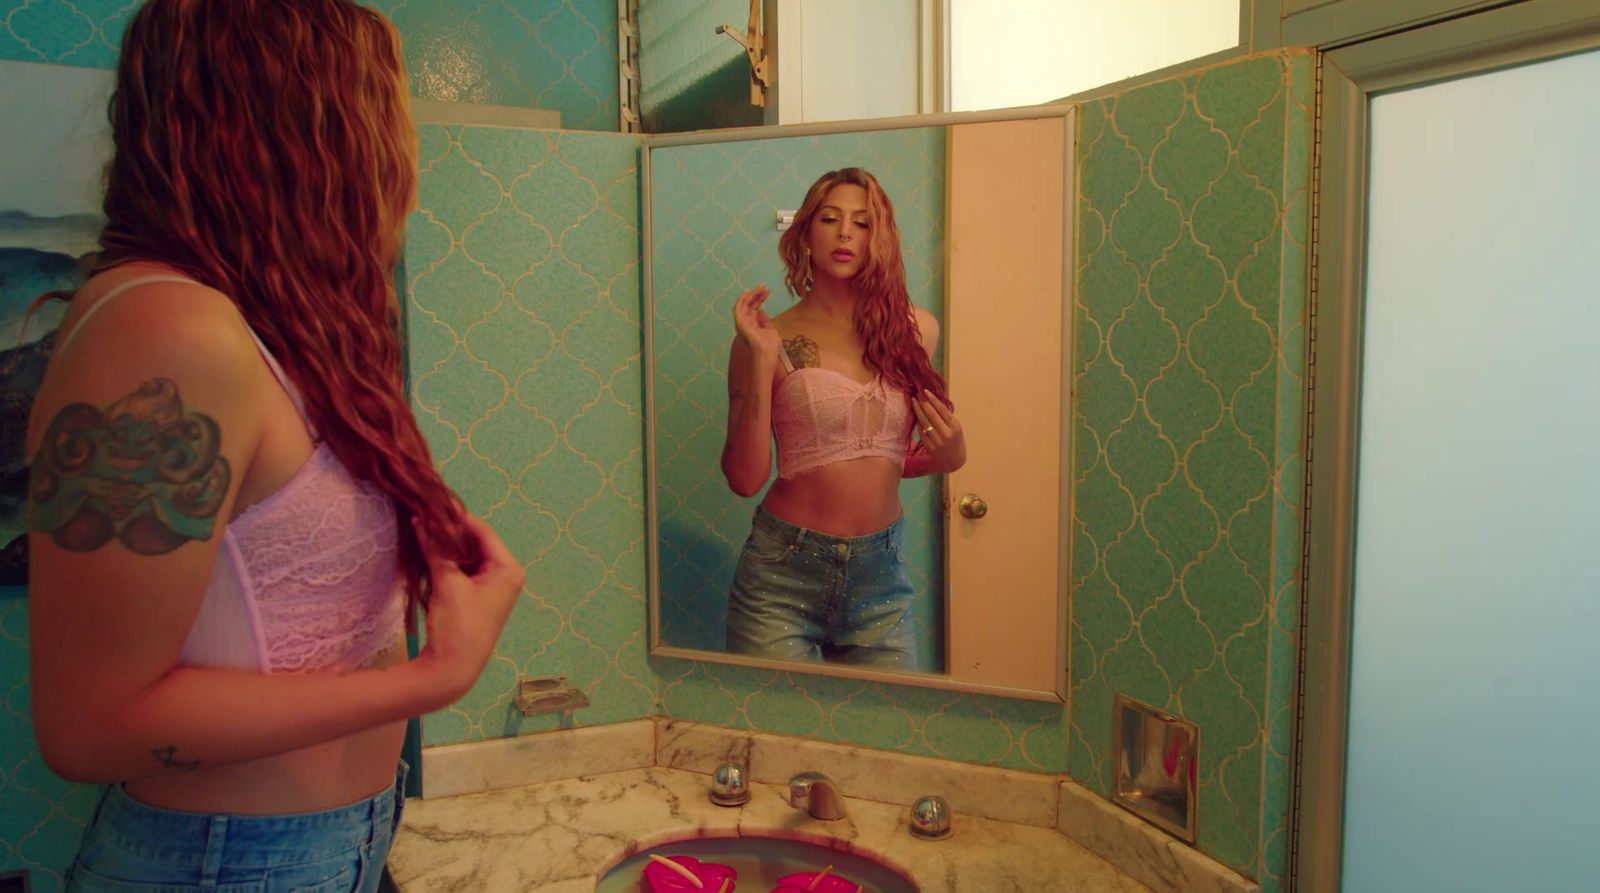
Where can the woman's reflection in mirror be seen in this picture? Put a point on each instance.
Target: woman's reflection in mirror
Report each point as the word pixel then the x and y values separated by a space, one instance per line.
pixel 844 382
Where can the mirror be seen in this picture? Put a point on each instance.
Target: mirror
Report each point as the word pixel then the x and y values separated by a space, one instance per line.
pixel 980 205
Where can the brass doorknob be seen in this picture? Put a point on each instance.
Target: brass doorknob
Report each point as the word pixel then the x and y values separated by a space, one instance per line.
pixel 973 506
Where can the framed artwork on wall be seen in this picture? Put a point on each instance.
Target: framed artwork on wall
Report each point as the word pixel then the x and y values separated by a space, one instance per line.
pixel 49 221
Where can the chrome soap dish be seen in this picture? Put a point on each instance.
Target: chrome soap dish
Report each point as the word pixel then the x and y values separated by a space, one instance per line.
pixel 548 694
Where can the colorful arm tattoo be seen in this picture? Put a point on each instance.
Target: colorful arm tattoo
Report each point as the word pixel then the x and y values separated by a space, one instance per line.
pixel 143 472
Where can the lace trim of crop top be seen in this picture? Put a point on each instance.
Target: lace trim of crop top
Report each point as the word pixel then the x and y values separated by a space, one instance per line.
pixel 820 417
pixel 307 579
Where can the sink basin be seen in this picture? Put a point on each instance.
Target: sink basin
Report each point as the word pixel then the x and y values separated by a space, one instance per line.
pixel 760 862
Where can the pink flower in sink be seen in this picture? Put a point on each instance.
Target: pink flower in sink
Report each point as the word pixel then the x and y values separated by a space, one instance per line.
pixel 660 878
pixel 807 882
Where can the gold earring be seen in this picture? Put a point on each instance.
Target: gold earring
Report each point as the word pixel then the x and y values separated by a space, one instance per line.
pixel 806 284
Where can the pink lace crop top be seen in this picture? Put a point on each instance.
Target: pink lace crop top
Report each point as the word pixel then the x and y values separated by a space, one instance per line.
pixel 820 416
pixel 308 578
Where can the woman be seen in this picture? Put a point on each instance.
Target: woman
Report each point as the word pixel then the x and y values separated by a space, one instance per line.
pixel 838 380
pixel 233 511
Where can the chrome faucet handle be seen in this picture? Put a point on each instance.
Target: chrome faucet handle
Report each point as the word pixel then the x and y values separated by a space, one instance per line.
pixel 930 818
pixel 729 785
pixel 817 795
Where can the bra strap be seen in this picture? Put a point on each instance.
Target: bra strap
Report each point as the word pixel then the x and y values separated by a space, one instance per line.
pixel 283 380
pixel 106 299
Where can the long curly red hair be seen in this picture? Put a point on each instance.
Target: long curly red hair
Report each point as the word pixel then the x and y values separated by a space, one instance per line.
pixel 265 148
pixel 884 316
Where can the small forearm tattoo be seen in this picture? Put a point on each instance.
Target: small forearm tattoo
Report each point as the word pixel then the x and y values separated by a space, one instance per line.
pixel 142 471
pixel 168 758
pixel 803 352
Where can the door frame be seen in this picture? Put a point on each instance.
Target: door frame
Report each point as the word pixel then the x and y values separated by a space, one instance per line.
pixel 1531 31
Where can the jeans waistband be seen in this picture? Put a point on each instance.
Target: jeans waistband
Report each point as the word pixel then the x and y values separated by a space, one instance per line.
pixel 889 539
pixel 183 838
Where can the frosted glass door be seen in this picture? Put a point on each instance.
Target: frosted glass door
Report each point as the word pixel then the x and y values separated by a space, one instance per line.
pixel 1474 749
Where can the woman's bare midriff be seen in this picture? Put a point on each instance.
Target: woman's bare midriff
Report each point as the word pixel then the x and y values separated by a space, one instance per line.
pixel 850 498
pixel 324 776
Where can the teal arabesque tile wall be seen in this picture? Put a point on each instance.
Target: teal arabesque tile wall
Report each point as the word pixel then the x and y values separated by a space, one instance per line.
pixel 1187 431
pixel 522 266
pixel 523 290
pixel 549 54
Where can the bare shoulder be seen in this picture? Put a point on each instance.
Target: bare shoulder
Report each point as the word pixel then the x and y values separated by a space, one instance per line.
pixel 180 320
pixel 183 334
pixel 927 327
pixel 155 285
pixel 788 320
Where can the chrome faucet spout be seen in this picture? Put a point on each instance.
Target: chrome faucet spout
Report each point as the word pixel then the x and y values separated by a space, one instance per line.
pixel 817 794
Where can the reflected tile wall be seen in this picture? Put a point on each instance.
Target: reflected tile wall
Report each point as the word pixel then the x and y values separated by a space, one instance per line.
pixel 713 210
pixel 550 54
pixel 523 285
pixel 1190 329
pixel 691 77
pixel 679 46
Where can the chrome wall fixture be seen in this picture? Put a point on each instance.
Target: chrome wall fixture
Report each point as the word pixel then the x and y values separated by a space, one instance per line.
pixel 1156 755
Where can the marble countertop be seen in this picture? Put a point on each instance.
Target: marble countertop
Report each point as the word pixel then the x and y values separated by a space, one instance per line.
pixel 560 836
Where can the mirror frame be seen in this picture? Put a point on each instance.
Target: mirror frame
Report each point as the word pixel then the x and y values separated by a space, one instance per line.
pixel 1067 113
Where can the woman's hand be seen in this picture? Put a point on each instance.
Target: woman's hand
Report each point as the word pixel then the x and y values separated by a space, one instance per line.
pixel 942 437
pixel 466 614
pixel 754 326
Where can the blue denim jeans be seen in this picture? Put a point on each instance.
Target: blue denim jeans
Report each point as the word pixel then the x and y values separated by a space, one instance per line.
pixel 130 847
pixel 802 595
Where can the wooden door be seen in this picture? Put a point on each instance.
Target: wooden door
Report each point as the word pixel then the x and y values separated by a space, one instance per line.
pixel 1004 344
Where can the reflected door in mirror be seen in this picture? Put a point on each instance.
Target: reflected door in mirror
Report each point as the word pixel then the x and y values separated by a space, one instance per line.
pixel 1006 229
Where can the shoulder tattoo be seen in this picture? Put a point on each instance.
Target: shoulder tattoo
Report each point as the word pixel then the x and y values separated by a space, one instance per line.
pixel 142 471
pixel 802 352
